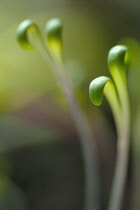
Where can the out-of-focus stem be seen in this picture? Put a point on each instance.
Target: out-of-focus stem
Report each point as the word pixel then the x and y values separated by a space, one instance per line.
pixel 90 159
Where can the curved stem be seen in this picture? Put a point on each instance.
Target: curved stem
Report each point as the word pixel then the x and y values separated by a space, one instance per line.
pixel 88 149
pixel 120 174
pixel 90 159
pixel 112 98
pixel 123 142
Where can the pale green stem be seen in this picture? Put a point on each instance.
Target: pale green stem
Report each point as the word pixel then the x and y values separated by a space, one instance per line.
pixel 87 141
pixel 112 98
pixel 123 142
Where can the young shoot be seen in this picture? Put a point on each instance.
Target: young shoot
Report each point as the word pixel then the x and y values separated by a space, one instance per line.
pixel 104 85
pixel 23 34
pixel 53 34
pixel 117 96
pixel 29 38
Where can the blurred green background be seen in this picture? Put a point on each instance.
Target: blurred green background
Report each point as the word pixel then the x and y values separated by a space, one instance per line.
pixel 41 161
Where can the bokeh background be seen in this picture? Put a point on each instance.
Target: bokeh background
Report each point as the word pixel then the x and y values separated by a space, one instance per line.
pixel 41 163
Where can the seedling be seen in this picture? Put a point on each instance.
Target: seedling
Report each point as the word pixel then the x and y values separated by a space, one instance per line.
pixel 117 95
pixel 29 38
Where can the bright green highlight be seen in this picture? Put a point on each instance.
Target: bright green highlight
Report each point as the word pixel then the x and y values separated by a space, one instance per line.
pixel 22 34
pixel 53 32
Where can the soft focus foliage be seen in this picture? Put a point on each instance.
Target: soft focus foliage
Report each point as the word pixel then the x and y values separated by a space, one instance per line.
pixel 34 110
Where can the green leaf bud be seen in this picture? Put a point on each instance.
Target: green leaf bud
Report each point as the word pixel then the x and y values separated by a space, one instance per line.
pixel 53 32
pixel 22 34
pixel 96 89
pixel 118 57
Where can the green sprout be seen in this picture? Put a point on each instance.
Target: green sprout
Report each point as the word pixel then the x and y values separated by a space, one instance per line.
pixel 118 99
pixel 29 37
pixel 53 32
pixel 22 34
